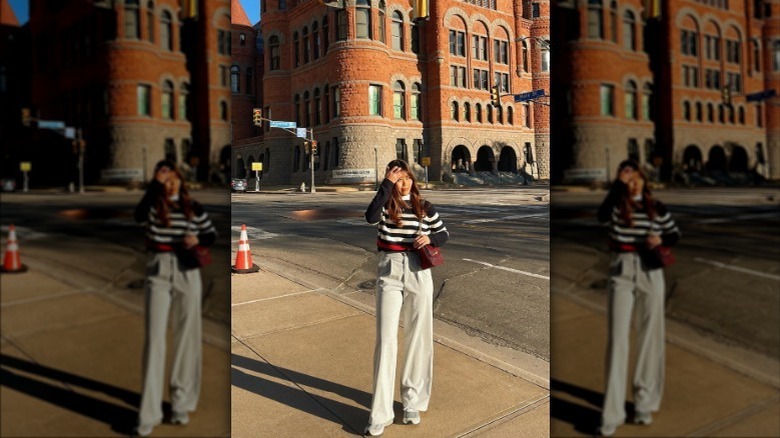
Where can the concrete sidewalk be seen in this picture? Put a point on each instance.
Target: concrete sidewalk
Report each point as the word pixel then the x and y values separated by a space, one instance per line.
pixel 711 389
pixel 71 355
pixel 302 360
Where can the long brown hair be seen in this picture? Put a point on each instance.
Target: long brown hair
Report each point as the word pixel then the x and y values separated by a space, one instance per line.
pixel 163 205
pixel 626 205
pixel 396 204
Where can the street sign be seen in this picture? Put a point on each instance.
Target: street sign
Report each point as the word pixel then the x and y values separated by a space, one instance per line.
pixel 51 124
pixel 281 124
pixel 257 166
pixel 426 161
pixel 300 132
pixel 522 97
pixel 70 132
pixel 761 95
pixel 25 166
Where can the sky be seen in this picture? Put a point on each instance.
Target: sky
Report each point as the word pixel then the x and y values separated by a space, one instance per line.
pixel 22 9
pixel 252 8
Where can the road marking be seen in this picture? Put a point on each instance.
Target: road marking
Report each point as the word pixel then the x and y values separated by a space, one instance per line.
pixel 718 220
pixel 253 233
pixel 737 268
pixel 277 297
pixel 506 218
pixel 23 233
pixel 504 268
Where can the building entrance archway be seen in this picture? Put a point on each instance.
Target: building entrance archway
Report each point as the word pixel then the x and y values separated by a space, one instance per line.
pixel 461 159
pixel 485 159
pixel 507 161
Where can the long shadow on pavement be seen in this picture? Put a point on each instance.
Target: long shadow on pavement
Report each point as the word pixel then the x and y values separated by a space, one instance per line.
pixel 585 419
pixel 120 418
pixel 329 409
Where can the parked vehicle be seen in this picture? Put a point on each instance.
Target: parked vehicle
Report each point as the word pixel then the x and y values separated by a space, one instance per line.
pixel 238 184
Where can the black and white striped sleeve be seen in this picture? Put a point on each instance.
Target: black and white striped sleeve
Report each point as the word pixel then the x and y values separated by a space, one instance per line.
pixel 206 231
pixel 670 233
pixel 438 232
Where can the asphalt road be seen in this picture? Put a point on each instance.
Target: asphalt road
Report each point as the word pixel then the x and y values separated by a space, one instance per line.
pixel 495 280
pixel 76 232
pixel 726 283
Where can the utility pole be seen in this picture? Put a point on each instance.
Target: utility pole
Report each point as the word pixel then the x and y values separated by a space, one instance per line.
pixel 81 160
pixel 312 150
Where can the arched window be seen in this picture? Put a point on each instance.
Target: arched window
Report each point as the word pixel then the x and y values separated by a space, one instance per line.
pixel 629 100
pixel 132 19
pixel 525 55
pixel 399 99
pixel 397 30
pixel 527 111
pixel 296 50
pixel 454 114
pixel 467 112
pixel 306 110
pixel 273 46
pixel 489 113
pixel 305 45
pixel 184 96
pixel 382 8
pixel 595 19
pixel 325 35
pixel 166 30
pixel 235 79
pixel 223 110
pixel 698 112
pixel 776 55
pixel 613 21
pixel 297 109
pixel 710 113
pixel 731 113
pixel 249 80
pixel 150 22
pixel 167 100
pixel 721 114
pixel 629 32
pixel 687 110
pixel 363 19
pixel 326 105
pixel 315 39
pixel 500 114
pixel 416 102
pixel 478 112
pixel 741 115
pixel 647 96
pixel 545 54
pixel 510 117
pixel 317 107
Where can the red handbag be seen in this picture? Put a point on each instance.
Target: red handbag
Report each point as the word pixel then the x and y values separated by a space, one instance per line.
pixel 430 256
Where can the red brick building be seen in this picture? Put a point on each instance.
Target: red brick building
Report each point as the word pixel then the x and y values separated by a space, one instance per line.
pixel 142 80
pixel 652 88
pixel 373 85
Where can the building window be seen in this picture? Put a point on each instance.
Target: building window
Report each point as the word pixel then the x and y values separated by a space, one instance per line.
pixel 397 30
pixel 305 45
pixel 712 47
pixel 478 112
pixel 776 55
pixel 417 149
pixel 688 41
pixel 698 112
pixel 150 22
pixel 595 19
pixel 273 45
pixel 363 19
pixel 741 115
pixel 184 95
pixel 317 107
pixel 235 83
pixel 454 111
pixel 241 39
pixel 500 52
pixel 733 52
pixel 629 34
pixel 341 25
pixel 325 35
pixel 400 149
pixel 629 100
pixel 249 80
pixel 525 56
pixel 734 81
pixel 510 116
pixel 607 100
pixel 478 47
pixel 282 4
pixel 144 100
pixel 545 52
pixel 467 112
pixel 731 113
pixel 647 94
pixel 690 76
pixel 710 113
pixel 416 112
pixel 381 24
pixel 500 114
pixel 399 98
pixel 480 80
pixel 132 19
pixel 326 104
pixel 166 31
pixel 296 50
pixel 223 111
pixel 489 113
pixel 457 43
pixel 535 10
pixel 687 111
pixel 458 76
pixel 167 100
pixel 501 80
pixel 336 102
pixel 306 110
pixel 315 39
pixel 613 21
pixel 721 114
pixel 375 100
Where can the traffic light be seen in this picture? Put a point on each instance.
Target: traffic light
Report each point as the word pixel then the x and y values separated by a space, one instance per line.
pixel 420 10
pixel 495 96
pixel 26 118
pixel 314 147
pixel 257 116
pixel 725 94
pixel 306 146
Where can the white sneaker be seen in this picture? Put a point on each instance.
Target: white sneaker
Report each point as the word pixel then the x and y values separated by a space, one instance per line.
pixel 605 430
pixel 143 429
pixel 377 429
pixel 642 417
pixel 411 417
pixel 180 418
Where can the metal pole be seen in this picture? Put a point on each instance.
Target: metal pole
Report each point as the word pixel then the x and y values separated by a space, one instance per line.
pixel 143 154
pixel 81 162
pixel 311 159
pixel 606 153
pixel 25 186
pixel 376 168
pixel 257 180
pixel 426 177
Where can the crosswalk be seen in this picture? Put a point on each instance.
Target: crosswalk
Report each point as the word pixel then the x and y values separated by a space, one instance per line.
pixel 252 233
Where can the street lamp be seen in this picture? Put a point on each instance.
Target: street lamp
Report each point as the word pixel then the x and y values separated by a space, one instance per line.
pixel 376 167
pixel 541 41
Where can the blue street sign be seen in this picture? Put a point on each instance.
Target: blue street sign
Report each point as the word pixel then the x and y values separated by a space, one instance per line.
pixel 761 95
pixel 522 97
pixel 51 124
pixel 281 124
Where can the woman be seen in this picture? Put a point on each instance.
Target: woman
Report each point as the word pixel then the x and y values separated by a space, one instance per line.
pixel 405 222
pixel 638 223
pixel 175 224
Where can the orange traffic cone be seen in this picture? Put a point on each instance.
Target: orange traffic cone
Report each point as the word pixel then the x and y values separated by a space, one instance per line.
pixel 244 263
pixel 12 263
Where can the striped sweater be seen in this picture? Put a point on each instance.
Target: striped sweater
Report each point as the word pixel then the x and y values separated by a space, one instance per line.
pixel 164 238
pixel 625 237
pixel 394 238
